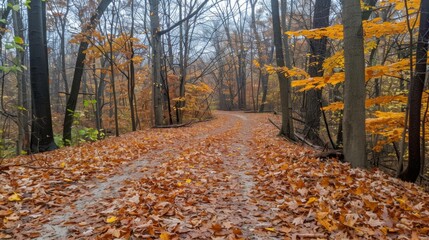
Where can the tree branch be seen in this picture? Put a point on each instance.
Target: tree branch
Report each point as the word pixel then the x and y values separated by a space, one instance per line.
pixel 183 20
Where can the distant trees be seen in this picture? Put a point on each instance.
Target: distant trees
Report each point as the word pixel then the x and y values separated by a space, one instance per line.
pixel 160 87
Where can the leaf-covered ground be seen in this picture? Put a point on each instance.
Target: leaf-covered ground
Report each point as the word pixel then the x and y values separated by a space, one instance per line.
pixel 229 178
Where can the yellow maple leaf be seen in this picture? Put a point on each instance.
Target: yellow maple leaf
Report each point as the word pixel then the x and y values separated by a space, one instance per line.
pixel 179 184
pixel 111 219
pixel 188 180
pixel 311 200
pixel 164 236
pixel 270 229
pixel 14 198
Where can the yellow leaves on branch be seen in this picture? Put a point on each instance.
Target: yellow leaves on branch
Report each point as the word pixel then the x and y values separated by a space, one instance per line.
pixel 392 70
pixel 386 124
pixel 336 61
pixel 120 46
pixel 196 96
pixel 293 72
pixel 399 5
pixel 372 28
pixel 382 100
pixel 256 63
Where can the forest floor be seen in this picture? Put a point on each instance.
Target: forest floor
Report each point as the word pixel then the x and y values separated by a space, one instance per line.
pixel 229 178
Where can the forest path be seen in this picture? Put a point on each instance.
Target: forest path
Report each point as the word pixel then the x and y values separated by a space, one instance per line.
pixel 229 178
pixel 105 193
pixel 217 153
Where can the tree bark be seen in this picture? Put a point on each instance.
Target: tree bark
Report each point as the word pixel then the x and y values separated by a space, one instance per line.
pixel 23 104
pixel 112 71
pixel 415 97
pixel 354 90
pixel 42 137
pixel 132 78
pixel 156 62
pixel 313 98
pixel 285 84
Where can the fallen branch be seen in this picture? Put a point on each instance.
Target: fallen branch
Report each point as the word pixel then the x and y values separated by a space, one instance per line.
pixel 302 139
pixel 271 121
pixel 265 111
pixel 338 154
pixel 33 159
pixel 175 125
pixel 308 235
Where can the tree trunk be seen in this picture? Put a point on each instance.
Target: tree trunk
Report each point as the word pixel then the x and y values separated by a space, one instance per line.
pixel 156 62
pixel 78 72
pixel 132 78
pixel 100 98
pixel 4 13
pixel 415 97
pixel 354 90
pixel 23 105
pixel 313 98
pixel 285 84
pixel 263 75
pixel 112 71
pixel 42 137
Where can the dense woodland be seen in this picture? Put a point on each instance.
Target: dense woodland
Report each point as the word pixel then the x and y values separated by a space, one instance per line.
pixel 75 71
pixel 211 119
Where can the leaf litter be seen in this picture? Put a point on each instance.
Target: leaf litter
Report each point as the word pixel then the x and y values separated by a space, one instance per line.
pixel 225 179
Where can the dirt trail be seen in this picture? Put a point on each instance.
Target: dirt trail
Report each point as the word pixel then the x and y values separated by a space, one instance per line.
pixel 229 142
pixel 228 178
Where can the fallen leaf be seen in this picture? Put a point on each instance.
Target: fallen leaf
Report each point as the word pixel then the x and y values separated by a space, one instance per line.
pixel 237 231
pixel 216 227
pixel 311 200
pixel 298 220
pixel 375 223
pixel 111 219
pixel 113 232
pixel 15 197
pixel 270 229
pixel 135 199
pixel 4 213
pixel 164 236
pixel 5 236
pixel 13 217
